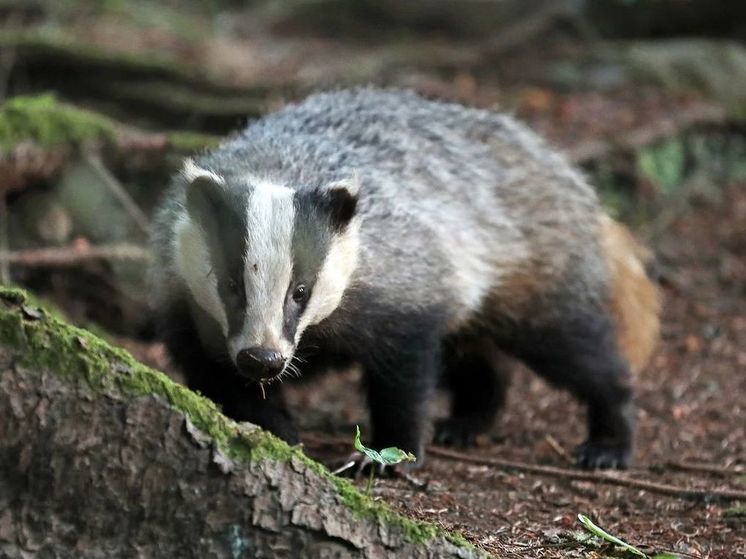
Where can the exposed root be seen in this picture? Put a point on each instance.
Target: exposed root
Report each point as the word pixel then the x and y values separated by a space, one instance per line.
pixel 62 257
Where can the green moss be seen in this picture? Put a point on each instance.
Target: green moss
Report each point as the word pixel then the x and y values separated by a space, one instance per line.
pixel 78 356
pixel 663 164
pixel 11 330
pixel 44 121
pixel 47 306
pixel 14 295
pixel 364 507
pixel 189 142
pixel 735 512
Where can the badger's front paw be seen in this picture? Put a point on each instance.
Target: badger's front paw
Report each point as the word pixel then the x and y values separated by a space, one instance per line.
pixel 460 432
pixel 593 455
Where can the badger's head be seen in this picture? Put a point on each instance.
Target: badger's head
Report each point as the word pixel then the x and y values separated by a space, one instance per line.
pixel 265 261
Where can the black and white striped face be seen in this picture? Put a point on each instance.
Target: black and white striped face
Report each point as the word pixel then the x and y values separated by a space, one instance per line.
pixel 265 261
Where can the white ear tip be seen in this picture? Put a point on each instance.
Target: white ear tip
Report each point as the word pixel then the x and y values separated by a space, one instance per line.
pixel 353 185
pixel 191 171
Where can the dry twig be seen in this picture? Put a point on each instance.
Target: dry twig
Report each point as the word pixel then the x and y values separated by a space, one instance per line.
pixel 595 477
pixel 706 468
pixel 558 449
pixel 119 192
pixel 60 257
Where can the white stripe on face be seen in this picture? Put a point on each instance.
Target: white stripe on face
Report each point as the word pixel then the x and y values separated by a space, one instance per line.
pixel 268 267
pixel 333 278
pixel 193 263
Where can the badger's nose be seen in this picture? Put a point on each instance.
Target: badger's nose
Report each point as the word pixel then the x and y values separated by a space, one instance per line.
pixel 259 363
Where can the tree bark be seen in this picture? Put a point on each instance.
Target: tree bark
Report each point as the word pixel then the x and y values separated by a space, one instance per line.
pixel 102 457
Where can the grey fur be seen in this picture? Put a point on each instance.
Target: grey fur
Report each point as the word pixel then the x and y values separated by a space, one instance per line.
pixel 420 229
pixel 455 202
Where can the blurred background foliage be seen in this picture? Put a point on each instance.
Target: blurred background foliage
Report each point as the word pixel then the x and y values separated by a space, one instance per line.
pixel 102 100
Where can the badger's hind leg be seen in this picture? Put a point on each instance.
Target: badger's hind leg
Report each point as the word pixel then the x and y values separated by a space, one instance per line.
pixel 476 374
pixel 580 353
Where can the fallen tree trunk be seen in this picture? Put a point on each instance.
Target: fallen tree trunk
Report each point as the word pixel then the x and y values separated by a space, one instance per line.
pixel 102 457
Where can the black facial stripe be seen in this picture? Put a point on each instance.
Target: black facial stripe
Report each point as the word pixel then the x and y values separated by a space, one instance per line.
pixel 312 236
pixel 231 287
pixel 223 219
pixel 291 315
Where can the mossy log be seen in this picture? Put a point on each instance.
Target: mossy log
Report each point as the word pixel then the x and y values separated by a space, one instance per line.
pixel 39 135
pixel 160 91
pixel 103 457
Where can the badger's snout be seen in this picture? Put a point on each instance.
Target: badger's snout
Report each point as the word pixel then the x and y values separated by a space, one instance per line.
pixel 259 363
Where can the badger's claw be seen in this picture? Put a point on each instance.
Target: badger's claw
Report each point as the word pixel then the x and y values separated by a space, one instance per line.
pixel 593 455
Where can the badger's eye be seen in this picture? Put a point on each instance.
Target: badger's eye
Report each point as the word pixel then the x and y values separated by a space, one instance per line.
pixel 300 293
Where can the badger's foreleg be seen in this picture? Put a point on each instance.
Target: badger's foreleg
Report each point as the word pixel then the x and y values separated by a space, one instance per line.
pixel 399 389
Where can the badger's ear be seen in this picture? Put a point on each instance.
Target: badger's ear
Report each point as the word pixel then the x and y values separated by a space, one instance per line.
pixel 203 193
pixel 339 198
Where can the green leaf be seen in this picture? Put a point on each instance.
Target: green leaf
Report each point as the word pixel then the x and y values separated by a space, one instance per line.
pixel 601 533
pixel 393 455
pixel 387 456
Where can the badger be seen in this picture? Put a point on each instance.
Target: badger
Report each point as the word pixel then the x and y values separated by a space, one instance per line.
pixel 422 241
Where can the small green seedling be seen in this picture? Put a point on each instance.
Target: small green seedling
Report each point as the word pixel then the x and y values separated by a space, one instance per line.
pixel 603 534
pixel 386 457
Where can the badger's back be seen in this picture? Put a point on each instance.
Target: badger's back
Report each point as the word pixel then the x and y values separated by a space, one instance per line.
pixel 458 204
